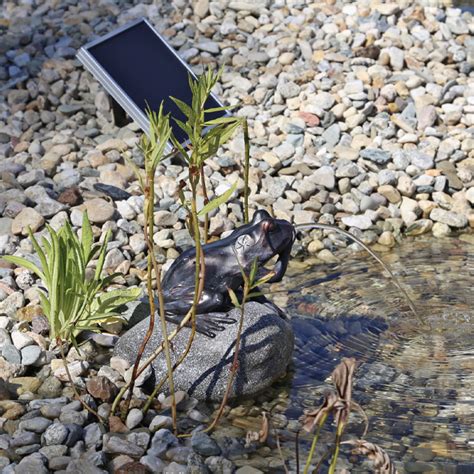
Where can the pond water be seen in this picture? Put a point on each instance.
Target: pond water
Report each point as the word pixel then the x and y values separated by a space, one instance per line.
pixel 415 381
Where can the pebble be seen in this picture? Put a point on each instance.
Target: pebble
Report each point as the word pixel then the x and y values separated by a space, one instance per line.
pixel 449 218
pixel 27 218
pixel 99 210
pixel 30 355
pixel 203 444
pixel 134 418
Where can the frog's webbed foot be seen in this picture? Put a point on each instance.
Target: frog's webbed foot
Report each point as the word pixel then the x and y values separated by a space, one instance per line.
pixel 208 324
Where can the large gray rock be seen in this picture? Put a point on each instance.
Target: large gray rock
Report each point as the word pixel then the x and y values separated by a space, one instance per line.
pixel 265 352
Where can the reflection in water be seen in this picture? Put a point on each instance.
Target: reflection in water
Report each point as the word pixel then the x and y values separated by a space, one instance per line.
pixel 417 385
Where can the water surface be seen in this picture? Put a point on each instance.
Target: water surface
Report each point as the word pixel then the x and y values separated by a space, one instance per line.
pixel 416 382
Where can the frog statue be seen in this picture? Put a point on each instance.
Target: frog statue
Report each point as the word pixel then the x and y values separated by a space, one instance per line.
pixel 261 239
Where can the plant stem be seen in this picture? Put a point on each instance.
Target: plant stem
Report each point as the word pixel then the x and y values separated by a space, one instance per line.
pixel 280 452
pixel 297 451
pixel 183 355
pixel 206 201
pixel 147 229
pixel 73 385
pixel 246 171
pixel 151 358
pixel 340 430
pixel 235 362
pixel 313 444
pixel 152 265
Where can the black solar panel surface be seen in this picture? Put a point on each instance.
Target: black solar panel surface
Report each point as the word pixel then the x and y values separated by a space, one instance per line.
pixel 147 71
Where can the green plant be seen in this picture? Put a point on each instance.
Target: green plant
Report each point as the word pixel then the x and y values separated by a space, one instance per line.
pixel 205 136
pixel 153 147
pixel 73 302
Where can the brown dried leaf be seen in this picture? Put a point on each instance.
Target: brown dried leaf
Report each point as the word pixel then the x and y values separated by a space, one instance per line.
pixel 382 462
pixel 311 419
pixel 342 377
pixel 260 436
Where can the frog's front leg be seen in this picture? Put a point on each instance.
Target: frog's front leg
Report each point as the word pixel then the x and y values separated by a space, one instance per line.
pixel 210 312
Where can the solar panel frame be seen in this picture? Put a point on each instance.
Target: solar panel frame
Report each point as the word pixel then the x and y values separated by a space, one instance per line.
pixel 85 56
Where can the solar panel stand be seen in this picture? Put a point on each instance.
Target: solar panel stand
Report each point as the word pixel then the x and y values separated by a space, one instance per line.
pixel 120 117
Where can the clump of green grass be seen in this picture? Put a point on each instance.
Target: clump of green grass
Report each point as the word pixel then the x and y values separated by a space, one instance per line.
pixel 72 302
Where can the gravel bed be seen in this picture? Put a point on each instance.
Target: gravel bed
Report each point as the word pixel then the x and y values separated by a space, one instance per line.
pixel 360 115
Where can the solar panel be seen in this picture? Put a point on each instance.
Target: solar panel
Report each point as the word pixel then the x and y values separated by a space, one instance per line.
pixel 138 68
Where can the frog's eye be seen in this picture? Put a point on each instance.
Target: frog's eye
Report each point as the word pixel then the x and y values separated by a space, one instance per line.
pixel 268 226
pixel 243 242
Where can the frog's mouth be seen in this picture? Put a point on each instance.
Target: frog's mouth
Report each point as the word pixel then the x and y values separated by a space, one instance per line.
pixel 280 238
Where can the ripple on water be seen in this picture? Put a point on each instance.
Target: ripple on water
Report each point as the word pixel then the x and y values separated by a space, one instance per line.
pixel 416 382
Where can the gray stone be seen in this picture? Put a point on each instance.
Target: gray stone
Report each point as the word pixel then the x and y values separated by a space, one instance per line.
pixel 11 354
pixel 162 440
pixel 360 222
pixel 27 218
pixel 34 463
pixel 420 160
pixel 93 435
pixel 37 424
pixel 160 421
pixel 21 340
pixel 266 349
pixel 5 226
pixel 288 89
pixel 347 170
pixel 99 210
pixel 324 176
pixel 25 438
pixel 380 157
pixel 30 355
pixel 453 219
pixel 323 100
pixel 118 444
pixel 332 134
pixel 134 418
pixel 204 445
pixel 153 463
pixel 426 116
pixel 55 434
pixel 50 388
pixel 387 177
pixel 284 151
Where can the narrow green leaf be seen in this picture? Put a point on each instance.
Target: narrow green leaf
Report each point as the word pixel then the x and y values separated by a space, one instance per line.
pixel 220 109
pixel 216 202
pixel 264 279
pixel 23 262
pixel 222 120
pixel 87 237
pixel 253 270
pixel 187 111
pixel 233 297
pixel 41 255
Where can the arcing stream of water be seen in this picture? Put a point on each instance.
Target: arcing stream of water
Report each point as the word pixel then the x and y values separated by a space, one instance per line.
pixel 386 267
